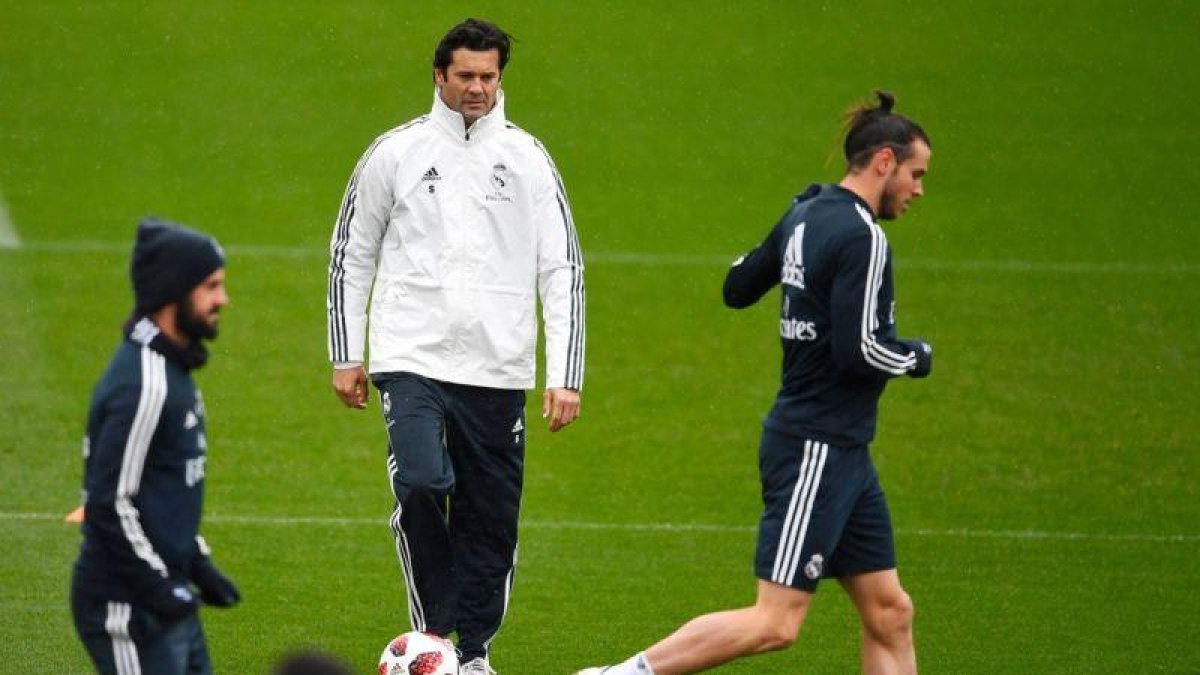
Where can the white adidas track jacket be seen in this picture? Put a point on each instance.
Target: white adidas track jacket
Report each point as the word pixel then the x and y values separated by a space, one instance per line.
pixel 460 231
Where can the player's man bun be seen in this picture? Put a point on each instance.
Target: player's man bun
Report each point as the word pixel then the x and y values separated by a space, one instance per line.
pixel 887 100
pixel 872 127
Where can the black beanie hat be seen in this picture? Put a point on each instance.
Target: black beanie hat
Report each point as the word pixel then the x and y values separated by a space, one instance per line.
pixel 169 260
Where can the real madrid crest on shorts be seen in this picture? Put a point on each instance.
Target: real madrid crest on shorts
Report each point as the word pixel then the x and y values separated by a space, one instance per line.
pixel 814 566
pixel 387 403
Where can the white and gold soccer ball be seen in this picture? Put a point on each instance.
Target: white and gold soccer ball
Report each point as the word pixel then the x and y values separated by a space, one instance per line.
pixel 418 653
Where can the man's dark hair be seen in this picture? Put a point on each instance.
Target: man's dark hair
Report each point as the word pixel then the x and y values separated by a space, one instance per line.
pixel 474 34
pixel 871 128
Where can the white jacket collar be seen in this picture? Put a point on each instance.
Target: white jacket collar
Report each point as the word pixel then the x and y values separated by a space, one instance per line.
pixel 453 123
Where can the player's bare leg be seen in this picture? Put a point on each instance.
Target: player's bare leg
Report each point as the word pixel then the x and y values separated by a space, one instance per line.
pixel 772 623
pixel 886 612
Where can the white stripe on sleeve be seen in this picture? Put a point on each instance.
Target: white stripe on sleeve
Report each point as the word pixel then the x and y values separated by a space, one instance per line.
pixel 875 354
pixel 137 446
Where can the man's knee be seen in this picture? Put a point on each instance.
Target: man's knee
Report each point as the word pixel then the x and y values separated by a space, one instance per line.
pixel 778 628
pixel 417 471
pixel 419 482
pixel 778 636
pixel 776 617
pixel 890 619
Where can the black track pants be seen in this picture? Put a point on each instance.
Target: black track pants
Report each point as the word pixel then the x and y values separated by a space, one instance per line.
pixel 456 458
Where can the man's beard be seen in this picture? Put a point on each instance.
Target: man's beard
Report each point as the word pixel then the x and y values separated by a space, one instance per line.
pixel 193 325
pixel 887 206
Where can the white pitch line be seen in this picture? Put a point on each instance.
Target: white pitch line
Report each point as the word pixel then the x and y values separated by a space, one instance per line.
pixel 1051 266
pixel 335 521
pixel 681 259
pixel 9 239
pixel 646 259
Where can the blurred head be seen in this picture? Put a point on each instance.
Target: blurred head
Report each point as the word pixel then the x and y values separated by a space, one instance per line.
pixel 467 66
pixel 310 663
pixel 178 279
pixel 200 312
pixel 890 150
pixel 168 261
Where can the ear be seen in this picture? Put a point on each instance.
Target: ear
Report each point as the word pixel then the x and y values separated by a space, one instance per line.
pixel 884 161
pixel 439 76
pixel 166 315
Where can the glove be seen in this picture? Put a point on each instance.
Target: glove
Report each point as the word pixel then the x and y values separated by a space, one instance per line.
pixel 173 601
pixel 924 357
pixel 215 588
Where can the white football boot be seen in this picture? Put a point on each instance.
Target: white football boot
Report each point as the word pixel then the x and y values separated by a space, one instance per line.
pixel 476 666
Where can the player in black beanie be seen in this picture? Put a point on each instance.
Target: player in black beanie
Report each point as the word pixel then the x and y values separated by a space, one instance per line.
pixel 143 570
pixel 169 260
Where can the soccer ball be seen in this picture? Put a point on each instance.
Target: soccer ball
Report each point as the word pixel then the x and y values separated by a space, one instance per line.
pixel 418 653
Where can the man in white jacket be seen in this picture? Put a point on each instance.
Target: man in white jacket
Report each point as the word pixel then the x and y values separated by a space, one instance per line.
pixel 454 225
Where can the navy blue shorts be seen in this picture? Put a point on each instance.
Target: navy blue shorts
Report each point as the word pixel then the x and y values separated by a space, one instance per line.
pixel 824 513
pixel 128 639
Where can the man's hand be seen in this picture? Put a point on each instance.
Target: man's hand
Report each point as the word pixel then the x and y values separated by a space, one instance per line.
pixel 924 354
pixel 350 384
pixel 173 601
pixel 216 589
pixel 561 406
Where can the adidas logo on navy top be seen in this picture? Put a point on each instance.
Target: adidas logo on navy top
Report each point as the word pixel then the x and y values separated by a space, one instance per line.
pixel 431 174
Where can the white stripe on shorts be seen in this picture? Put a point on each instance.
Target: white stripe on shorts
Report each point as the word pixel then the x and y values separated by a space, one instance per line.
pixel 125 655
pixel 795 525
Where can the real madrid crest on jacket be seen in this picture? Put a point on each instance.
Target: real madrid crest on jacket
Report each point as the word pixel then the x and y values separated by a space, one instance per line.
pixel 456 220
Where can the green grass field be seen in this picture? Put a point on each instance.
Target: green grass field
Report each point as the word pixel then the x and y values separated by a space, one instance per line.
pixel 1043 482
